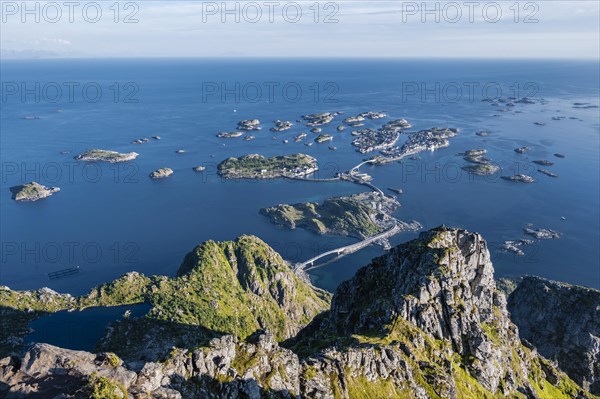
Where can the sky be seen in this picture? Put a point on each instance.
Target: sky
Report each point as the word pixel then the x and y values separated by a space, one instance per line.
pixel 347 28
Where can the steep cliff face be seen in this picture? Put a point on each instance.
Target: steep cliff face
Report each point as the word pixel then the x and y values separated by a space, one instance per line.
pixel 425 321
pixel 442 283
pixel 563 322
pixel 428 319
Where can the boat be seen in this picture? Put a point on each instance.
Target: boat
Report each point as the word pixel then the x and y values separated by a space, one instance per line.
pixel 63 273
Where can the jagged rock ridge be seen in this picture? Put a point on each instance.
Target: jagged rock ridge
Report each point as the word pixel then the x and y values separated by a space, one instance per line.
pixel 425 321
pixel 563 322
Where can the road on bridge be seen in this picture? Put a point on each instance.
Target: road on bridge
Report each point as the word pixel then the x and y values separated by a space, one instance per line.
pixel 304 266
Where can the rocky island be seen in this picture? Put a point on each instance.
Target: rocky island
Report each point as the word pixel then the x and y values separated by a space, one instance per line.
pixel 249 125
pixel 281 126
pixel 229 135
pixel 359 215
pixel 256 166
pixel 521 150
pixel 368 140
pixel 32 192
pixel 299 137
pixel 161 173
pixel 425 321
pixel 430 139
pixel 475 156
pixel 547 172
pixel 142 140
pixel 519 178
pixel 354 120
pixel 372 115
pixel 541 234
pixel 424 140
pixel 482 165
pixel 105 156
pixel 481 169
pixel 319 119
pixel 515 246
pixel 322 138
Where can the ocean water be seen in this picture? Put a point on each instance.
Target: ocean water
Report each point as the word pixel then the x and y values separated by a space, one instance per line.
pixel 79 330
pixel 111 219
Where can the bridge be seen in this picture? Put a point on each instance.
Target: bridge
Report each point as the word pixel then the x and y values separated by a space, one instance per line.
pixel 357 167
pixel 348 249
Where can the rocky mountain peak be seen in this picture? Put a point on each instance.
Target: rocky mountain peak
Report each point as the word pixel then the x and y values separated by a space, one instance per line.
pixel 442 283
pixel 563 322
pixel 424 321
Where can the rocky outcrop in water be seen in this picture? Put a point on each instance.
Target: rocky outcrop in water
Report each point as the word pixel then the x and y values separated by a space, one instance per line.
pixel 32 192
pixel 249 124
pixel 161 173
pixel 105 156
pixel 520 178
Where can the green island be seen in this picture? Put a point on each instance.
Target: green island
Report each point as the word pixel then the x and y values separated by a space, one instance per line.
pixel 32 192
pixel 359 215
pixel 105 156
pixel 255 166
pixel 481 169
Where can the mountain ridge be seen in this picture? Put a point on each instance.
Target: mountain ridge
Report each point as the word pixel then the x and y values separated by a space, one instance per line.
pixel 424 321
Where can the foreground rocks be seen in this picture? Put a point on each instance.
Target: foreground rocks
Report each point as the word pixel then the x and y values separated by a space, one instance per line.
pixel 32 192
pixel 563 322
pixel 424 321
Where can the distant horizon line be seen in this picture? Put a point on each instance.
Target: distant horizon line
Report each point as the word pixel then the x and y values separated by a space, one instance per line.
pixel 252 58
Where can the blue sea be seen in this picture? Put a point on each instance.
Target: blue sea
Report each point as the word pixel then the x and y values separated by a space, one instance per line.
pixel 111 219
